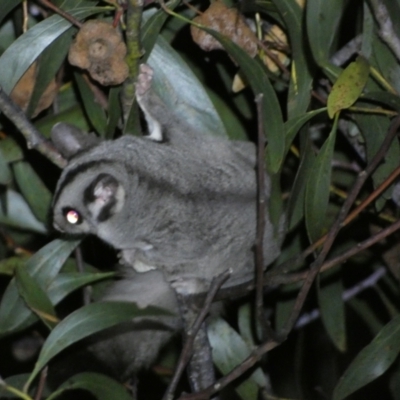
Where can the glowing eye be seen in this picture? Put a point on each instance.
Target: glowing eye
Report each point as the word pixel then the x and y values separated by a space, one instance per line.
pixel 72 216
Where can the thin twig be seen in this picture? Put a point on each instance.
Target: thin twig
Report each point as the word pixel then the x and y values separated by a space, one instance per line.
pixel 238 371
pixel 278 279
pixel 387 32
pixel 347 295
pixel 62 13
pixel 266 330
pixel 338 224
pixel 297 260
pixel 33 137
pixel 185 355
pixel 87 290
pixel 42 383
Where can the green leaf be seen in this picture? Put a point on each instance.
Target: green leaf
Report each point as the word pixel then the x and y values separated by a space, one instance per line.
pixel 301 78
pixel 66 283
pixel 330 291
pixel 43 267
pixel 293 125
pixel 364 311
pixel 101 386
pixel 372 361
pixel 228 351
pixel 322 20
pixel 6 7
pixel 27 48
pixel 94 111
pixel 182 92
pixel 17 214
pixel 271 112
pixel 374 129
pixel 296 205
pixel 33 189
pixel 318 187
pixel 49 63
pixel 389 99
pixel 5 172
pixel 35 298
pixel 8 265
pixel 10 150
pixel 86 321
pixel 114 111
pixel 152 27
pixel 348 87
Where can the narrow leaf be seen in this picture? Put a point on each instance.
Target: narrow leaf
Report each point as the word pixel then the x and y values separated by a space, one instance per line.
pixel 322 20
pixel 372 361
pixel 318 187
pixel 33 189
pixel 295 209
pixel 17 214
pixel 101 386
pixel 330 300
pixel 94 111
pixel 229 350
pixel 35 297
pixel 66 283
pixel 293 125
pixel 83 323
pixel 301 77
pixel 182 92
pixel 43 266
pixel 24 51
pixel 271 111
pixel 5 172
pixel 7 6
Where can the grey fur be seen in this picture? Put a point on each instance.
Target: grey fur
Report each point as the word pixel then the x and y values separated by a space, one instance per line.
pixel 180 211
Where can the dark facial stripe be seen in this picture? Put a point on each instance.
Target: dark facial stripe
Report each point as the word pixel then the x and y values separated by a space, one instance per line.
pixel 107 211
pixel 73 173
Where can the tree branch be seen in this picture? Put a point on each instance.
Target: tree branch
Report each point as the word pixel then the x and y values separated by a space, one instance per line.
pixel 33 137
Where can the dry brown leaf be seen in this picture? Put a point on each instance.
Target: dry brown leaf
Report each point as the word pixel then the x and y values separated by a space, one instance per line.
pixel 98 47
pixel 228 22
pixel 22 92
pixel 275 37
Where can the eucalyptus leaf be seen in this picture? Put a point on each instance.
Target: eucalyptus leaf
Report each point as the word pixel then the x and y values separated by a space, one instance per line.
pixel 34 190
pixel 331 305
pixel 114 111
pixel 8 265
pixel 10 150
pixel 101 386
pixel 374 129
pixel 372 361
pixel 322 20
pixel 228 351
pixel 17 214
pixel 301 78
pixel 84 322
pixel 318 187
pixel 49 63
pixel 44 266
pixel 35 297
pixel 94 111
pixel 348 87
pixel 271 112
pixel 66 283
pixel 296 205
pixel 5 172
pixel 6 7
pixel 293 125
pixel 182 92
pixel 27 48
